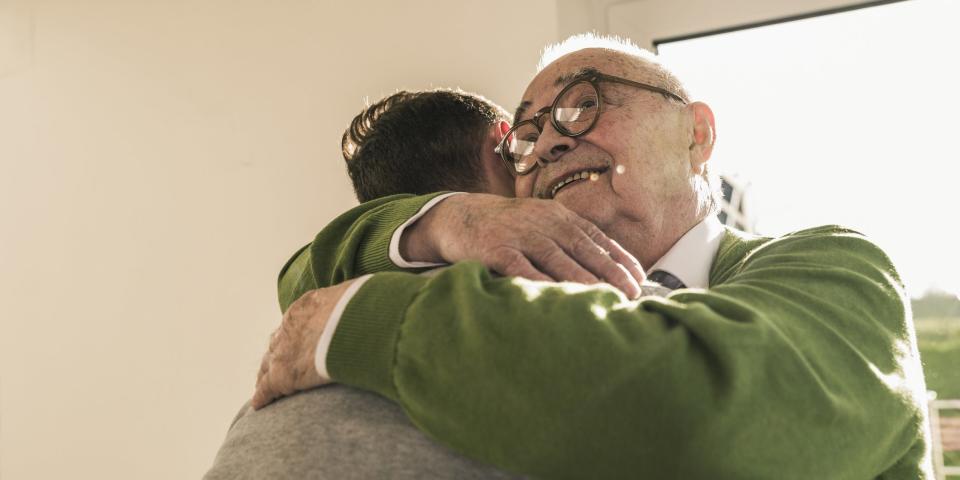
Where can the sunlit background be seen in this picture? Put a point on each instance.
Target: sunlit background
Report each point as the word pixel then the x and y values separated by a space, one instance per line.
pixel 160 160
pixel 849 118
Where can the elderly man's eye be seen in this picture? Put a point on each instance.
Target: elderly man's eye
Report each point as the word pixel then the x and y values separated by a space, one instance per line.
pixel 587 103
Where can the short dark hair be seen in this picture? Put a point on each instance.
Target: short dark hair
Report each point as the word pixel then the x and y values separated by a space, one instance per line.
pixel 419 142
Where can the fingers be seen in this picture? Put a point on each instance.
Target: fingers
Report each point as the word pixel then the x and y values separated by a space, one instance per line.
pixel 629 274
pixel 592 254
pixel 264 365
pixel 547 255
pixel 262 395
pixel 591 249
pixel 543 240
pixel 289 364
pixel 511 263
pixel 275 382
pixel 628 261
pixel 261 398
pixel 269 385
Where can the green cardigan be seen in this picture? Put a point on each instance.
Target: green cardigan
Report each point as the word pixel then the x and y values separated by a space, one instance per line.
pixel 799 361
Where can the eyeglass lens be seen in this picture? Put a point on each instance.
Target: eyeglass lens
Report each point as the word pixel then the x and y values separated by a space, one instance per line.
pixel 574 112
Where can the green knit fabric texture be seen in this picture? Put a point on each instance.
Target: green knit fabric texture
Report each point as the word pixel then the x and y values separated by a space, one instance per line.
pixel 354 244
pixel 799 362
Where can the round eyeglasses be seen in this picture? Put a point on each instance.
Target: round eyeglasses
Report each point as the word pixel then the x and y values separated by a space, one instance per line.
pixel 573 113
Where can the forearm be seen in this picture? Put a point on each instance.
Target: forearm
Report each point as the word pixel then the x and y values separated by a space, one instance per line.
pixel 743 381
pixel 529 238
pixel 356 243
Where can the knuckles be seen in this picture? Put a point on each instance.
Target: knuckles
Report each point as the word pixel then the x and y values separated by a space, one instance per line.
pixel 585 246
pixel 509 262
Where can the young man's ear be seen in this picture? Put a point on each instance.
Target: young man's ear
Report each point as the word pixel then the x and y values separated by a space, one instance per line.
pixel 503 128
pixel 704 136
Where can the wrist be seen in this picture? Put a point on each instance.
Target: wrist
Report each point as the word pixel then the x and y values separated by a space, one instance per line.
pixel 341 295
pixel 362 351
pixel 420 241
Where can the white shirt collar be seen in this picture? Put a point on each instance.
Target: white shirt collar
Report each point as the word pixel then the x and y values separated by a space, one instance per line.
pixel 692 256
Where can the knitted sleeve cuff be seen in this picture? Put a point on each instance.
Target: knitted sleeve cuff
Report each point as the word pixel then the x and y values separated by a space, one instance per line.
pixel 400 212
pixel 363 350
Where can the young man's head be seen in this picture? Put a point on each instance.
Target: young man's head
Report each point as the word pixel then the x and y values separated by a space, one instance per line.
pixel 428 141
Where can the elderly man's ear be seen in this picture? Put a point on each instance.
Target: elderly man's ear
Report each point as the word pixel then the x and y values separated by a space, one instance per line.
pixel 704 135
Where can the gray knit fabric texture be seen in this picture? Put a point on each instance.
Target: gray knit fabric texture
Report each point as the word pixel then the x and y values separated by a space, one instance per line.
pixel 336 432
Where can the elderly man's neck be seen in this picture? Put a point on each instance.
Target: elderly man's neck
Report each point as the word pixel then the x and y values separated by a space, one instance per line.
pixel 649 244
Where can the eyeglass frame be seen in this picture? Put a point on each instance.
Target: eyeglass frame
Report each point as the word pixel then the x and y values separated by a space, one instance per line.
pixel 593 78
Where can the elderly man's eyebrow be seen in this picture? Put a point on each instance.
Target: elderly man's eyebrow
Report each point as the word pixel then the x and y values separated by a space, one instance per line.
pixel 575 75
pixel 561 80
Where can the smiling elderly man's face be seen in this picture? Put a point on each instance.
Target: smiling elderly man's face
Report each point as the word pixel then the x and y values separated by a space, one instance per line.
pixel 637 159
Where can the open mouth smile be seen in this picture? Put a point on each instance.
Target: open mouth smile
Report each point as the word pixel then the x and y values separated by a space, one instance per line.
pixel 571 179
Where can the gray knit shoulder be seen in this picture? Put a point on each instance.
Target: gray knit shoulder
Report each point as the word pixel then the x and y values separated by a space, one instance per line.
pixel 336 432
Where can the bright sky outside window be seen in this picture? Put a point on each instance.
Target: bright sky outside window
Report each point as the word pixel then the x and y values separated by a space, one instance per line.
pixel 851 118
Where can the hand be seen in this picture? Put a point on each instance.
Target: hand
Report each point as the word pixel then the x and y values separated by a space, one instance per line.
pixel 531 238
pixel 288 366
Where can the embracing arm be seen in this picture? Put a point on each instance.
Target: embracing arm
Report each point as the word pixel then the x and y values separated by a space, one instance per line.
pixel 800 363
pixel 355 243
pixel 536 239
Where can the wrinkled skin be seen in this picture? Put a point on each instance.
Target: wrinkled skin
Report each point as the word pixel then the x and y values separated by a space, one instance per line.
pixel 654 151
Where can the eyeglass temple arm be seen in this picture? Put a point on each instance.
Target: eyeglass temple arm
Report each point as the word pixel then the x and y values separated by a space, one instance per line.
pixel 644 86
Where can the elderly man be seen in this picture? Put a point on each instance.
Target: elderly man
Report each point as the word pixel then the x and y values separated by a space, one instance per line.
pixel 791 357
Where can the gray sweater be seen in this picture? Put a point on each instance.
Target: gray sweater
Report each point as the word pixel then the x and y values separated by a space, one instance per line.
pixel 336 432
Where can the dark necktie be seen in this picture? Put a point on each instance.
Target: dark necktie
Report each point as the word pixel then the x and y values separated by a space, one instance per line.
pixel 666 279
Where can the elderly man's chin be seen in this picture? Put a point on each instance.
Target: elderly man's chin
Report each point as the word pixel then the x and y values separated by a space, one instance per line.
pixel 592 200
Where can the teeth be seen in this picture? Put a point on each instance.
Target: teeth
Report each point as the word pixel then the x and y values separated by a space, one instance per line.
pixel 591 174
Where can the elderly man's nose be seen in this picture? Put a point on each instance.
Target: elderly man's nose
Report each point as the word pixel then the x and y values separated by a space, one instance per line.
pixel 552 145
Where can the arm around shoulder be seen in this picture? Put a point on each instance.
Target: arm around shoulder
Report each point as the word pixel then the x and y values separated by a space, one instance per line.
pixel 356 243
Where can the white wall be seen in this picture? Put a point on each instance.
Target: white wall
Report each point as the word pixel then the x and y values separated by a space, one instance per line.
pixel 158 163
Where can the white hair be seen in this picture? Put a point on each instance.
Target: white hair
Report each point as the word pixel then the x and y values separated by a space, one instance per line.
pixel 654 64
pixel 581 41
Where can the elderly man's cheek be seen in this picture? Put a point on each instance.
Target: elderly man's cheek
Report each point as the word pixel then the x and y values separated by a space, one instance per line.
pixel 524 185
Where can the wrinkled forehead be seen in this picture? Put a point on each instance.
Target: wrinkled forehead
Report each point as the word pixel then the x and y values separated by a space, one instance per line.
pixel 545 86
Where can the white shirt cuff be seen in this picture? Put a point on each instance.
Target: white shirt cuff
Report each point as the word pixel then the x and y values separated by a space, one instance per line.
pixel 395 239
pixel 323 346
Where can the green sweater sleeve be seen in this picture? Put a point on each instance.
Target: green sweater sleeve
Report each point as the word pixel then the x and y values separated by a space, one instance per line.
pixel 800 362
pixel 355 243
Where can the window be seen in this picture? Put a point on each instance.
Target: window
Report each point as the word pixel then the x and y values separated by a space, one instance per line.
pixel 851 118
